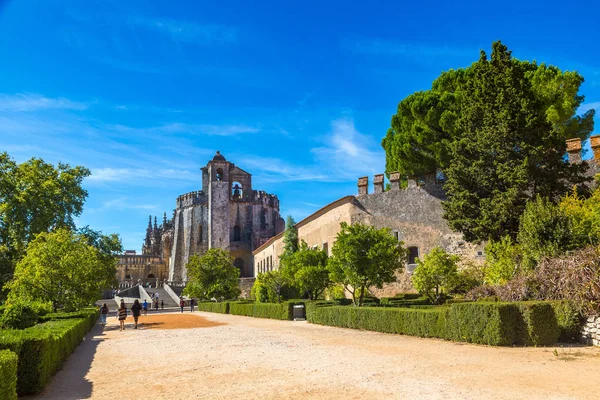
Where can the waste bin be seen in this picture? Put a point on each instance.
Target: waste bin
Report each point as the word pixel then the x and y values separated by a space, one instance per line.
pixel 299 312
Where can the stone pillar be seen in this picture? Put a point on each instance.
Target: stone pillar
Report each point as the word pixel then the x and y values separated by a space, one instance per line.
pixel 395 180
pixel 378 183
pixel 595 143
pixel 574 150
pixel 363 185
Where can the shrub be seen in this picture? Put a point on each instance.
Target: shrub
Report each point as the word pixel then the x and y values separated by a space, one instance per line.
pixel 436 274
pixel 503 260
pixel 222 308
pixel 539 325
pixel 8 372
pixel 18 316
pixel 569 320
pixel 498 324
pixel 283 311
pixel 241 308
pixel 42 349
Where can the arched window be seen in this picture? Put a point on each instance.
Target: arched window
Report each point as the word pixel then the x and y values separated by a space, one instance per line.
pixel 237 233
pixel 151 276
pixel 127 276
pixel 219 175
pixel 237 190
pixel 239 264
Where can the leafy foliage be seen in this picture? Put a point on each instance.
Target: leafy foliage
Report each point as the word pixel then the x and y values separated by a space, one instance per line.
pixel 364 256
pixel 62 268
pixel 510 148
pixel 35 197
pixel 212 276
pixel 503 260
pixel 307 270
pixel 275 282
pixel 290 237
pixel 8 372
pixel 436 274
pixel 18 316
pixel 584 217
pixel 544 230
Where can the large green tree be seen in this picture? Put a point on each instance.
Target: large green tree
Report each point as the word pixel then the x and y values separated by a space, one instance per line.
pixel 62 268
pixel 508 151
pixel 364 256
pixel 212 276
pixel 427 122
pixel 35 197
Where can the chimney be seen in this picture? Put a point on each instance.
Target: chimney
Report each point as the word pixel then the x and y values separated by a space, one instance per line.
pixel 363 185
pixel 574 150
pixel 378 183
pixel 395 180
pixel 413 182
pixel 595 143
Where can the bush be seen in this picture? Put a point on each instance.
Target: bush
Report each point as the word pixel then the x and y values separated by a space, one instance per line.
pixel 8 372
pixel 18 316
pixel 539 325
pixel 42 349
pixel 569 320
pixel 283 311
pixel 222 308
pixel 497 324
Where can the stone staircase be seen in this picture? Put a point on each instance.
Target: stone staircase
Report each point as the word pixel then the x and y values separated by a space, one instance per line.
pixel 162 295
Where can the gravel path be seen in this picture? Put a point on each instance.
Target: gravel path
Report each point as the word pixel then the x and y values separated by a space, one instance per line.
pixel 214 356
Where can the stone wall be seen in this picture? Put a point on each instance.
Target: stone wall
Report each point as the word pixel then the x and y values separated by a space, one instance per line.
pixel 590 333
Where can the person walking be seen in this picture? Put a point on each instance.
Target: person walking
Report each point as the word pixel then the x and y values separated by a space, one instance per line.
pixel 135 311
pixel 145 307
pixel 156 305
pixel 191 305
pixel 162 304
pixel 122 315
pixel 103 314
pixel 181 304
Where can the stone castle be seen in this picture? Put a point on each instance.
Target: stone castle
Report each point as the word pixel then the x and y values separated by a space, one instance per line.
pixel 227 213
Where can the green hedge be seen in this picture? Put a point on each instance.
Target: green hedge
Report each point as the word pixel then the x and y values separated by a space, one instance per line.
pixel 569 320
pixel 8 372
pixel 211 306
pixel 42 349
pixel 497 324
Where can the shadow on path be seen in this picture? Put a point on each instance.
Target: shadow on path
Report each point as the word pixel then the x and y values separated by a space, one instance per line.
pixel 70 382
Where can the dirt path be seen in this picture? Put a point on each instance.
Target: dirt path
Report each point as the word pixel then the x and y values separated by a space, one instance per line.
pixel 213 356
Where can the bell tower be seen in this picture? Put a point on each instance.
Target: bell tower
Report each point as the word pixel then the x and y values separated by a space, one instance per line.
pixel 218 202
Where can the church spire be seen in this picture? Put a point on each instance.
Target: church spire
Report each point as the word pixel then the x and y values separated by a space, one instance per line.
pixel 149 232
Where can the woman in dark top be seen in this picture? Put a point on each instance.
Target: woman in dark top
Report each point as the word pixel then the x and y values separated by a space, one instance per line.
pixel 103 314
pixel 136 309
pixel 122 315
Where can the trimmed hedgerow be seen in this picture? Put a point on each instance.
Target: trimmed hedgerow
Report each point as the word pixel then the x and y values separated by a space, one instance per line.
pixel 211 306
pixel 283 310
pixel 43 348
pixel 497 324
pixel 569 320
pixel 538 325
pixel 8 372
pixel 241 308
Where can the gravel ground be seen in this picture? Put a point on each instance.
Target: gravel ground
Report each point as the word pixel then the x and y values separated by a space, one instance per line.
pixel 214 356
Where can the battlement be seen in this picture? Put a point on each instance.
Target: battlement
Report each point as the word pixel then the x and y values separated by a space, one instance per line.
pixel 190 198
pixel 260 196
pixel 428 180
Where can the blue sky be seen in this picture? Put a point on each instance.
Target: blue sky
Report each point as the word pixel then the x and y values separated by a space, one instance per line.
pixel 297 93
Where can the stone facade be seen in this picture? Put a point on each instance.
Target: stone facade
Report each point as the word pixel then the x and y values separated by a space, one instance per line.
pixel 136 268
pixel 227 213
pixel 413 214
pixel 590 333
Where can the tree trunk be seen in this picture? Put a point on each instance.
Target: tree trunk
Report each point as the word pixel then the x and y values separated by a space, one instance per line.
pixel 362 295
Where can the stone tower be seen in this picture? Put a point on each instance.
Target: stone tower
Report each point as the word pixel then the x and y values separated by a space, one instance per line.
pixel 226 214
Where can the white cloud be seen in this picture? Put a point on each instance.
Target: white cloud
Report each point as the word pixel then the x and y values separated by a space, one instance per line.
pixel 136 175
pixel 34 102
pixel 345 155
pixel 425 52
pixel 588 106
pixel 191 32
pixel 193 129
